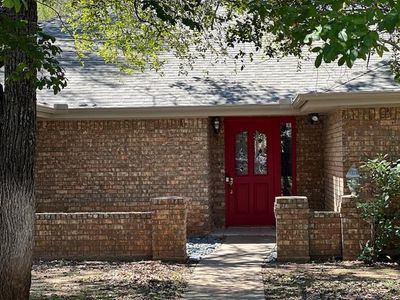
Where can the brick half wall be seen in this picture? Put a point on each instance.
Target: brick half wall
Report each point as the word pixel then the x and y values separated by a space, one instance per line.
pixel 159 234
pixel 302 234
pixel 325 234
pixel 93 235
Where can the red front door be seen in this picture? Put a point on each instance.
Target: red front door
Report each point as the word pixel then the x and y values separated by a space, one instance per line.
pixel 253 169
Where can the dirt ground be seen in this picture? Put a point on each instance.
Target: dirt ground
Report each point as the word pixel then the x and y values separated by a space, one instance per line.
pixel 341 280
pixel 108 280
pixel 155 280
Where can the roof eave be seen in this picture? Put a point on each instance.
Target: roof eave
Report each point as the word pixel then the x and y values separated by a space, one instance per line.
pixel 301 105
pixel 325 102
pixel 126 113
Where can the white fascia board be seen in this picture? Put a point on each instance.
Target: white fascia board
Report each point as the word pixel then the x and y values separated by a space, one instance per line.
pixel 170 112
pixel 325 102
pixel 44 112
pixel 301 105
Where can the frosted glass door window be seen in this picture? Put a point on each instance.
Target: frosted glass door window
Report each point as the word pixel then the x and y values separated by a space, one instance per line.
pixel 241 155
pixel 260 153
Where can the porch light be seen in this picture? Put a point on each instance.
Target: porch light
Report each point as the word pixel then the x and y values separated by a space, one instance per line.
pixel 216 124
pixel 314 118
pixel 353 180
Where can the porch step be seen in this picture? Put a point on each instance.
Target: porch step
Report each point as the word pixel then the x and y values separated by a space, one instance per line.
pixel 268 231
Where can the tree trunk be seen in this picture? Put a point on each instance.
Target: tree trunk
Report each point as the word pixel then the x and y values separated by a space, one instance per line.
pixel 17 155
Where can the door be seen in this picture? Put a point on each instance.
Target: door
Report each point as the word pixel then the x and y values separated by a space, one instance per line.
pixel 253 169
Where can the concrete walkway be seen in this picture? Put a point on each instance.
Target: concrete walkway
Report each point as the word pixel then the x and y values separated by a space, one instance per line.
pixel 233 271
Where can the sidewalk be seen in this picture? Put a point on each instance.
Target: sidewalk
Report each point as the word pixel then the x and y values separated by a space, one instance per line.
pixel 233 271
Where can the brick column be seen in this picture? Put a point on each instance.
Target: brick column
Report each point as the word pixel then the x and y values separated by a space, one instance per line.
pixel 355 231
pixel 169 228
pixel 292 228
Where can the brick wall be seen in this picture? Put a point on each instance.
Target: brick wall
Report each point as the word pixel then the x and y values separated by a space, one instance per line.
pixel 217 176
pixel 351 137
pixel 370 131
pixel 119 165
pixel 302 234
pixel 310 161
pixel 160 234
pixel 333 160
pixel 367 133
pixel 325 234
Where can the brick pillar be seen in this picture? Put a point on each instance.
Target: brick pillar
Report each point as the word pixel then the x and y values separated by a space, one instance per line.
pixel 292 228
pixel 169 228
pixel 355 231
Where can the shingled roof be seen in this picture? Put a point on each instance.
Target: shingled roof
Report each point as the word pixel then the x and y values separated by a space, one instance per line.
pixel 100 85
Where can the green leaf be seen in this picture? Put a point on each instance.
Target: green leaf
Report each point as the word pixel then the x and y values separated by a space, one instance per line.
pixel 343 35
pixel 17 4
pixel 358 19
pixel 354 54
pixel 349 62
pixel 390 21
pixel 318 60
pixel 330 53
pixel 8 3
pixel 341 61
pixel 316 49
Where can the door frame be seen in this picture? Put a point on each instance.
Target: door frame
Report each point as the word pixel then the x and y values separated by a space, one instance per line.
pixel 277 183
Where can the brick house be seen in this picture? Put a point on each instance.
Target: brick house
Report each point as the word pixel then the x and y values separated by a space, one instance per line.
pixel 231 142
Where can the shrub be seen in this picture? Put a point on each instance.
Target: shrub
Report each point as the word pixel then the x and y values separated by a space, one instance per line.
pixel 380 186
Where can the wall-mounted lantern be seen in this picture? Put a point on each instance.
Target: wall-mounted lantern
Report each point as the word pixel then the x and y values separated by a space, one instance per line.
pixel 216 124
pixel 353 180
pixel 314 118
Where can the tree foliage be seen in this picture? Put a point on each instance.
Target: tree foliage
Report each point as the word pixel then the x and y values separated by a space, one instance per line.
pixel 380 190
pixel 39 46
pixel 135 34
pixel 335 30
pixel 339 31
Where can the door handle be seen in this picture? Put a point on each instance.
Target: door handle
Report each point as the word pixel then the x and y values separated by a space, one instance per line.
pixel 229 180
